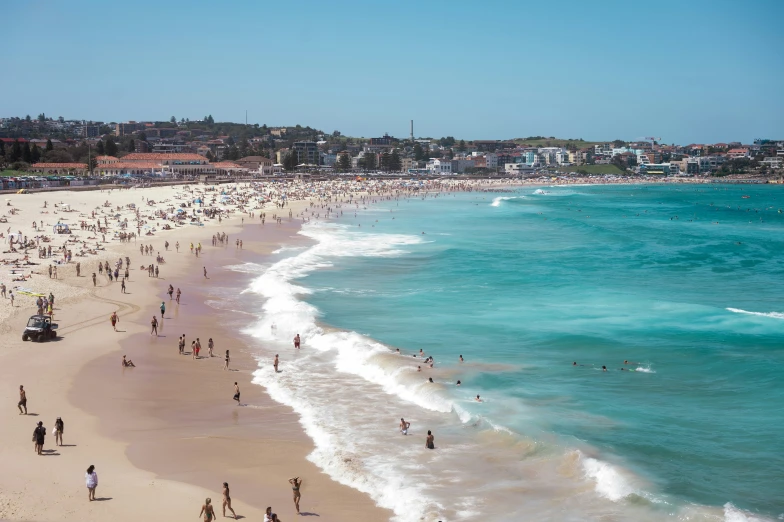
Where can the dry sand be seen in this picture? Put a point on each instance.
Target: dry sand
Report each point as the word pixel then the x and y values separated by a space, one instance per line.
pixel 164 435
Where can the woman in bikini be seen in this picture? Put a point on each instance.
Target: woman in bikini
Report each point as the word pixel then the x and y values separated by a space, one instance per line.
pixel 295 485
pixel 227 500
pixel 207 511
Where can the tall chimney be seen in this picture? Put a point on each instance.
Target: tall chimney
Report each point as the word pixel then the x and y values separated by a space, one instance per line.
pixel 412 130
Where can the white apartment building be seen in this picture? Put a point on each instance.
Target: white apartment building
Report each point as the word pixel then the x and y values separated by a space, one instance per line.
pixel 492 160
pixel 439 167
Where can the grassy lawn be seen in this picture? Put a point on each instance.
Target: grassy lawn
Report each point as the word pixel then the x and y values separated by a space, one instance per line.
pixel 15 173
pixel 595 169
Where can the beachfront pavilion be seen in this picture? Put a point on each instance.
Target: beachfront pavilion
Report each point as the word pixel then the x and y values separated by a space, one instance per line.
pixel 178 164
pixel 60 169
pixel 229 169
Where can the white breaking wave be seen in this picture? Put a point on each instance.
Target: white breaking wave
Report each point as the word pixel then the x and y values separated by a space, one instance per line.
pixel 284 249
pixel 733 514
pixel 325 400
pixel 497 201
pixel 774 315
pixel 610 482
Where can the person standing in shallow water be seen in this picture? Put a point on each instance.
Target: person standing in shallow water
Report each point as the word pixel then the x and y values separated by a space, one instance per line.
pixel 430 441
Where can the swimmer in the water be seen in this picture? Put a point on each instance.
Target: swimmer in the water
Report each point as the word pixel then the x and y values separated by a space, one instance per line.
pixel 458 382
pixel 478 399
pixel 461 358
pixel 419 368
pixel 604 368
pixel 430 379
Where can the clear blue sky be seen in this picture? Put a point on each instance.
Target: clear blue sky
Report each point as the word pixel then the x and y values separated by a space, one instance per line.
pixel 686 71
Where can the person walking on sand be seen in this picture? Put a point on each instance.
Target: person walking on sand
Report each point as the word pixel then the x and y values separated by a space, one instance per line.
pixel 91 480
pixel 39 434
pixel 163 309
pixel 114 319
pixel 430 441
pixel 59 427
pixel 170 292
pixel 275 363
pixel 226 365
pixel 122 286
pixel 22 400
pixel 178 295
pixel 154 326
pixel 205 272
pixel 295 485
pixel 94 282
pixel 237 393
pixel 207 511
pixel 210 346
pixel 227 500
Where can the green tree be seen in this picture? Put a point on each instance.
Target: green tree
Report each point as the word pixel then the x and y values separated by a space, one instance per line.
pixel 234 153
pixel 419 154
pixel 58 156
pixel 369 161
pixel 395 165
pixel 99 148
pixel 49 145
pixel 110 147
pixel 28 119
pixel 27 154
pixel 42 117
pixel 210 156
pixel 35 154
pixel 462 146
pixel 16 152
pixel 384 160
pixel 344 163
pixel 142 136
pixel 131 146
pixel 173 119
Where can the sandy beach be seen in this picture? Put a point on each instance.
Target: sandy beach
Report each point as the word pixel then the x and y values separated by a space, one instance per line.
pixel 166 434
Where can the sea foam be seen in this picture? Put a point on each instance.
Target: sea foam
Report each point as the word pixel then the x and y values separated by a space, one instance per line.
pixel 774 315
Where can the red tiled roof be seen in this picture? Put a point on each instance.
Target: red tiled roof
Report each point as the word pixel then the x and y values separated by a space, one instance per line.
pixel 140 156
pixel 11 140
pixel 59 165
pixel 137 165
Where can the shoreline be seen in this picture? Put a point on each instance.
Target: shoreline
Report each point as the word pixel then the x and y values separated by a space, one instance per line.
pixel 160 435
pixel 91 366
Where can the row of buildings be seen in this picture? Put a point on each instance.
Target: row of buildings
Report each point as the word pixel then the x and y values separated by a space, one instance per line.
pixel 162 164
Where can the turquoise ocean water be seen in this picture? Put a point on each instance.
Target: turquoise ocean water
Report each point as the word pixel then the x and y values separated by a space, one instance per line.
pixel 684 282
